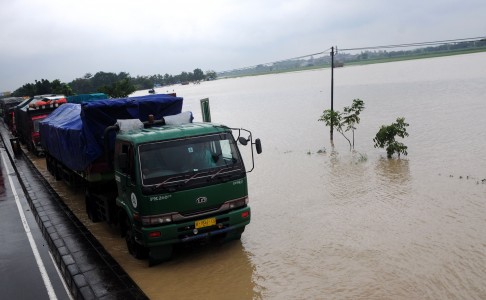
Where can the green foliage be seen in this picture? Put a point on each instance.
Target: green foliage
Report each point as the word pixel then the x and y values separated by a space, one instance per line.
pixel 59 87
pixel 331 117
pixel 385 138
pixel 119 89
pixel 211 75
pixel 351 114
pixel 82 85
pixel 90 83
pixel 345 121
pixel 143 83
pixel 43 87
pixel 198 75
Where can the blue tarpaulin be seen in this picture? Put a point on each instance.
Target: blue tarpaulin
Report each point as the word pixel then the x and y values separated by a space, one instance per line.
pixel 73 133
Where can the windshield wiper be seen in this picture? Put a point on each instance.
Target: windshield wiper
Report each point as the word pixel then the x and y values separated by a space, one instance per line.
pixel 219 172
pixel 182 181
pixel 229 172
pixel 195 176
pixel 168 180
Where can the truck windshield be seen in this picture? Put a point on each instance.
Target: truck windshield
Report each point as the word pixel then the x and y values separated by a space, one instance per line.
pixel 190 159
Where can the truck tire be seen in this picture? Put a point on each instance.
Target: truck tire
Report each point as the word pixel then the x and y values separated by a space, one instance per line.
pixel 160 254
pixel 57 172
pixel 134 248
pixel 91 208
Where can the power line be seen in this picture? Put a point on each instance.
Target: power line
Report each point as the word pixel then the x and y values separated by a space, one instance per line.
pixel 278 61
pixel 415 44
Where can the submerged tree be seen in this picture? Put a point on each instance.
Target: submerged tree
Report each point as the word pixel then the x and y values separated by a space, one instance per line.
pixel 345 121
pixel 385 138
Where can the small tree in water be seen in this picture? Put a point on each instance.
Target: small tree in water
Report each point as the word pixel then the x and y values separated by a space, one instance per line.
pixel 386 138
pixel 345 121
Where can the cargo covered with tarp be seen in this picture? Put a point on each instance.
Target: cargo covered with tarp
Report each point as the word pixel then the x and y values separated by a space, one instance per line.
pixel 73 133
pixel 86 98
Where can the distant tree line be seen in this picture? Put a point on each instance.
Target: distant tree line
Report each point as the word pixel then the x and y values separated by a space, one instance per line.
pixel 42 87
pixel 115 85
pixel 344 58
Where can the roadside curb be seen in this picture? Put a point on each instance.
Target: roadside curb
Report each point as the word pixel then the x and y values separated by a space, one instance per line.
pixel 88 270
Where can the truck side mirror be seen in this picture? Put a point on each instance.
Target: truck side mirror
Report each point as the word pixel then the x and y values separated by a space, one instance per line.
pixel 258 145
pixel 123 161
pixel 242 141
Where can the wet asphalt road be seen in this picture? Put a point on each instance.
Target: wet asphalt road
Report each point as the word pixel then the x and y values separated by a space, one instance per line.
pixel 27 270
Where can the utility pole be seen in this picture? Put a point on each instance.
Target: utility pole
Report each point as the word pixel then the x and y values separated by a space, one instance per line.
pixel 332 93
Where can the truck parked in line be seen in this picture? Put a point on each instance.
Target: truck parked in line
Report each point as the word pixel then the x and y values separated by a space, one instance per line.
pixel 27 116
pixel 149 169
pixel 6 109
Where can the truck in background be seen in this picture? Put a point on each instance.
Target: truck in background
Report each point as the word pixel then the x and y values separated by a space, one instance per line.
pixel 6 109
pixel 27 116
pixel 163 181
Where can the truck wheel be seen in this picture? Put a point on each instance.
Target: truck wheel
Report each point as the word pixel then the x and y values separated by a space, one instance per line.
pixel 160 254
pixel 135 249
pixel 57 172
pixel 34 149
pixel 91 208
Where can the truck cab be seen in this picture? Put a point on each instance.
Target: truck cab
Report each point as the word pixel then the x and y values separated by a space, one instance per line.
pixel 178 184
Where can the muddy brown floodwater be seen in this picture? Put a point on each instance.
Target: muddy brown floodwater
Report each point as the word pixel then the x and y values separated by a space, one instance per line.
pixel 342 224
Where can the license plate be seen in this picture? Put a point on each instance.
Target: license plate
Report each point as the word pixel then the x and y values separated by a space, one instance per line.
pixel 205 223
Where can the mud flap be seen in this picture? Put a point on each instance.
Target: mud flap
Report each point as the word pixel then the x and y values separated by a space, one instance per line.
pixel 160 254
pixel 15 143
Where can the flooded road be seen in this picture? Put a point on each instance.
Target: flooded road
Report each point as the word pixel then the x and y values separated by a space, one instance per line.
pixel 343 224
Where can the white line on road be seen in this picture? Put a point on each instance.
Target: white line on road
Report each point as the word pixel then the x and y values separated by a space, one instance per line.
pixel 40 264
pixel 60 276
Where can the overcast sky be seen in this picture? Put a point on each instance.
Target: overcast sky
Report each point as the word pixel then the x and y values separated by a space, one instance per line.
pixel 65 39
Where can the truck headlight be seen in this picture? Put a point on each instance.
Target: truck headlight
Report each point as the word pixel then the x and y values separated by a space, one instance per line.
pixel 237 203
pixel 156 220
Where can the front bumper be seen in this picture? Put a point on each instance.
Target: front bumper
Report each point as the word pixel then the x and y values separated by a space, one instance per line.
pixel 185 231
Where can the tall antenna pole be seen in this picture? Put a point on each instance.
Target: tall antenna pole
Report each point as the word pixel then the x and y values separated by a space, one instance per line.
pixel 332 93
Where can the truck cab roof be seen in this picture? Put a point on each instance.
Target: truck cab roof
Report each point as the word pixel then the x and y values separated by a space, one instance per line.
pixel 169 132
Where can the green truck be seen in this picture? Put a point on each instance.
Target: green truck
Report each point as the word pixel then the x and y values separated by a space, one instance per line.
pixel 163 180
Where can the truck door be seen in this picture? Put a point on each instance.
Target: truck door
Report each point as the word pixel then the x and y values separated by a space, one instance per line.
pixel 126 174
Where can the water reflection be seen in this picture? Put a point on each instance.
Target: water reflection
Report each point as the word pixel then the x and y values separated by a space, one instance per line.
pixel 393 178
pixel 395 171
pixel 348 176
